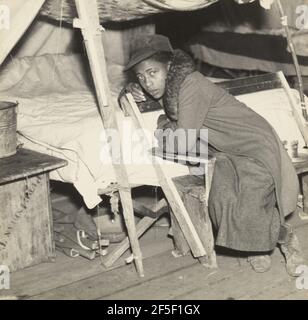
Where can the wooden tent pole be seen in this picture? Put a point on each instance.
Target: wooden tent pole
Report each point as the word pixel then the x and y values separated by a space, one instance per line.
pixel 91 30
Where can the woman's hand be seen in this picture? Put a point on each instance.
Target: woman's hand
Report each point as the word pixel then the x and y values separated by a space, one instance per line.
pixel 164 123
pixel 136 91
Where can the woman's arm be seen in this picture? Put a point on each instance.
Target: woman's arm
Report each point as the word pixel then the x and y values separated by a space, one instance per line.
pixel 193 105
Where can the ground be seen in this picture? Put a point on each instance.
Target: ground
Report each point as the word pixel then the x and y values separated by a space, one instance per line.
pixel 166 277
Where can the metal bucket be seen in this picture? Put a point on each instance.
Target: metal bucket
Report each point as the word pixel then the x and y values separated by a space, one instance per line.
pixel 8 123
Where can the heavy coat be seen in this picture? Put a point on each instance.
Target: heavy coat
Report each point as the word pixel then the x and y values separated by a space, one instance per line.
pixel 253 176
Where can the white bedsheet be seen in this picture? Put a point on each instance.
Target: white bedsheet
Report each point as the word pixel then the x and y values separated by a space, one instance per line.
pixel 70 127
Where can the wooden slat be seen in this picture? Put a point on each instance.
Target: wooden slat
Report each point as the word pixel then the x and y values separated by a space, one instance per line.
pixel 251 84
pixel 301 167
pixel 171 192
pixel 183 281
pixel 143 225
pixel 142 209
pixel 116 280
pixel 27 163
pixel 115 187
pixel 91 31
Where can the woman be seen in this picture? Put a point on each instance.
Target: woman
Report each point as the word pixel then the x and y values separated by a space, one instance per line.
pixel 254 185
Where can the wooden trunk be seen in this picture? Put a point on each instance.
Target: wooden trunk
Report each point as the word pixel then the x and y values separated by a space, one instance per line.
pixel 26 235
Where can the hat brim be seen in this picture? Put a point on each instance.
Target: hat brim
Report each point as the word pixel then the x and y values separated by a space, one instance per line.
pixel 137 59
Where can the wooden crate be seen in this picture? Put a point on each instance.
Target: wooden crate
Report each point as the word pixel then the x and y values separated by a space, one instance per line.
pixel 25 213
pixel 192 191
pixel 28 223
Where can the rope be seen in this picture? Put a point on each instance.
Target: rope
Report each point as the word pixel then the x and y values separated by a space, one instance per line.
pixel 30 188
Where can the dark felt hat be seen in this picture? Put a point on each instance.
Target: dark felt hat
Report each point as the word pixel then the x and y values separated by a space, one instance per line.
pixel 152 44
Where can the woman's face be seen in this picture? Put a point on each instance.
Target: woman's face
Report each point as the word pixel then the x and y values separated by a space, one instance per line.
pixel 152 76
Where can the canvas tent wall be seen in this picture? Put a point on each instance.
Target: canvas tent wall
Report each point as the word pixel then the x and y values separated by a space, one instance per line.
pixel 62 12
pixel 22 13
pixel 31 34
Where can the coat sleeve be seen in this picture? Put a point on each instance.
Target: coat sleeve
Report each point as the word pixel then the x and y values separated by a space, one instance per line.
pixel 194 101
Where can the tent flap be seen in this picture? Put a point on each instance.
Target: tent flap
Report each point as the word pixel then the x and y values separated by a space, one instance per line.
pixel 22 13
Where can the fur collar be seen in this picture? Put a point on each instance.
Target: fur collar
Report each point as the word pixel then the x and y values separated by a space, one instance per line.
pixel 181 66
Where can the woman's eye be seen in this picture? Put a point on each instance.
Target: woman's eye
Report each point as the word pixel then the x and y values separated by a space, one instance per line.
pixel 152 73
